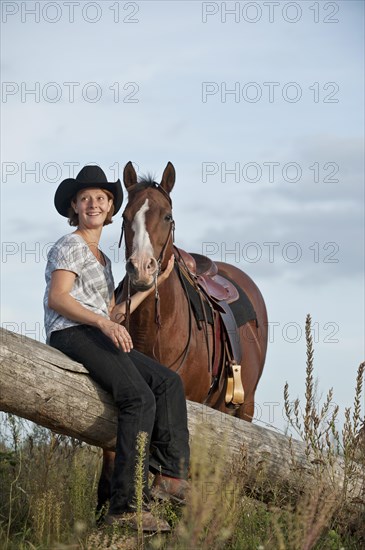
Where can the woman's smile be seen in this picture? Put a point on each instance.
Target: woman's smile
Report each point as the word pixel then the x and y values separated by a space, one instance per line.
pixel 92 204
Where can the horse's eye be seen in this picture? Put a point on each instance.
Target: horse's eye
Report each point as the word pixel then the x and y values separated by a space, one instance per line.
pixel 168 217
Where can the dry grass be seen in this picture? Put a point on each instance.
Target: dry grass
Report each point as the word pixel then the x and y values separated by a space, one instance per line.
pixel 48 489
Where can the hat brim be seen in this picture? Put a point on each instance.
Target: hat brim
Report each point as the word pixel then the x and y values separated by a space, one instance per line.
pixel 68 188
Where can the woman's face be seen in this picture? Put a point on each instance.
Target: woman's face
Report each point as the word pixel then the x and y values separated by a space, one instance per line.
pixel 92 206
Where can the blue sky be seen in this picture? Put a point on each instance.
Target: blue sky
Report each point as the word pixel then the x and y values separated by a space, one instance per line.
pixel 154 87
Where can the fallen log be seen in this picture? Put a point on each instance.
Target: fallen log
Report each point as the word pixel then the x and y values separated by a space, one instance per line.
pixel 43 385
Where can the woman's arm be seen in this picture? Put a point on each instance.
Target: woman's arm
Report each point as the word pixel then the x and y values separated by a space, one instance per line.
pixel 118 311
pixel 60 299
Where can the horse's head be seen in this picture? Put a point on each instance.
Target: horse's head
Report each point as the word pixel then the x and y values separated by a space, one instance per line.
pixel 148 225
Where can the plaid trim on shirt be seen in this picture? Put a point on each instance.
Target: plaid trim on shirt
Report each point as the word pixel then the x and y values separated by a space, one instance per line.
pixel 93 286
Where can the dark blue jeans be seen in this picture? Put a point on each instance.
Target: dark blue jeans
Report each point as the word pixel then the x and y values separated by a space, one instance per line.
pixel 150 398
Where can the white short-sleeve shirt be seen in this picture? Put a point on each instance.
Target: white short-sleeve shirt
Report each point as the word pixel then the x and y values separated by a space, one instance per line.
pixel 93 286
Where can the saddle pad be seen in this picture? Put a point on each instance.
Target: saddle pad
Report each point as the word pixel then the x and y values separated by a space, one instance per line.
pixel 242 308
pixel 195 300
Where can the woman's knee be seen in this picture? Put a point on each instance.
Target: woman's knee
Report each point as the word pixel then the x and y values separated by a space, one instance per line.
pixel 174 381
pixel 148 401
pixel 136 399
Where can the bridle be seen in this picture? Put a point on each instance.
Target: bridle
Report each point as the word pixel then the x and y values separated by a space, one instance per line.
pixel 171 229
pixel 171 232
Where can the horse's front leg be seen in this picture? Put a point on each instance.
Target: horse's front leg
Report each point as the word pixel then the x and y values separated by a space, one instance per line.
pixel 104 486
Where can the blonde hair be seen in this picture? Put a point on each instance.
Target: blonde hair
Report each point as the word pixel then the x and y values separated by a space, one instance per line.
pixel 73 218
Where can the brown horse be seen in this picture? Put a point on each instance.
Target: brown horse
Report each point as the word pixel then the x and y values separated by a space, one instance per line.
pixel 178 343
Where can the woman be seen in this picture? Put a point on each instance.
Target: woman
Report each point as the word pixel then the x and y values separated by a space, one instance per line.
pixel 80 320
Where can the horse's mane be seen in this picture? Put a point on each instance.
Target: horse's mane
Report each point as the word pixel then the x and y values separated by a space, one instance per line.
pixel 146 181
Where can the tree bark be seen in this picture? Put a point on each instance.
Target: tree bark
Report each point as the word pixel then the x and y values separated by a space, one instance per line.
pixel 43 385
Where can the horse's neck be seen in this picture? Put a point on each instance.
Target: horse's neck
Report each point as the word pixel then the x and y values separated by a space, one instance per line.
pixel 171 304
pixel 171 296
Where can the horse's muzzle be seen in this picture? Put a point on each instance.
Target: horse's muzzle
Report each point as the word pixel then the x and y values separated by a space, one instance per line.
pixel 142 273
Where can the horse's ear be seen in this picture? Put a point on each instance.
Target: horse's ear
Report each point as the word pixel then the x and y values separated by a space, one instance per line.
pixel 129 175
pixel 168 178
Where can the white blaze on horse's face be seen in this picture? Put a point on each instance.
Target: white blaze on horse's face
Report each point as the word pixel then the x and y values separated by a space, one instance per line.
pixel 144 269
pixel 141 241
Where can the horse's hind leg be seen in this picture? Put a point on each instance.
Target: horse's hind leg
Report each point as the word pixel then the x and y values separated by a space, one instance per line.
pixel 104 486
pixel 253 358
pixel 247 410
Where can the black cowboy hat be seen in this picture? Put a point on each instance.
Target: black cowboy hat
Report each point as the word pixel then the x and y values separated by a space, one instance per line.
pixel 89 176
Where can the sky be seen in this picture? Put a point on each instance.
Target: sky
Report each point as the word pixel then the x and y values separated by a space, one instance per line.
pixel 259 106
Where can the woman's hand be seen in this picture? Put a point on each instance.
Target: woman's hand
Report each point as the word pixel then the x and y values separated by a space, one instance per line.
pixel 170 266
pixel 118 312
pixel 117 333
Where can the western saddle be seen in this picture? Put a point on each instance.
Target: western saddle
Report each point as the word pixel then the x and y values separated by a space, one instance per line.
pixel 219 292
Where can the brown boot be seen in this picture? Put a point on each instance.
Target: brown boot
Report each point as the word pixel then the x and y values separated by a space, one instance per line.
pixel 150 523
pixel 169 488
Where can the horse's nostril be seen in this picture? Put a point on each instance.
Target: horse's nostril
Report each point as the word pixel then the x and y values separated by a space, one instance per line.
pixel 152 265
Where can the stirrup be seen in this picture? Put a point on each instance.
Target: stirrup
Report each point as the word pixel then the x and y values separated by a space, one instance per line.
pixel 235 394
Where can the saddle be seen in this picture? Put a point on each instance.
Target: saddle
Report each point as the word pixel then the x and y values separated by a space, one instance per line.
pixel 220 292
pixel 206 273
